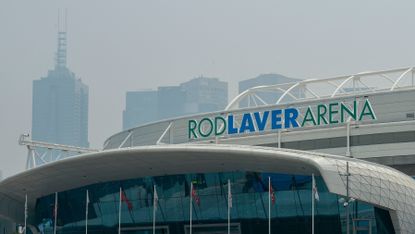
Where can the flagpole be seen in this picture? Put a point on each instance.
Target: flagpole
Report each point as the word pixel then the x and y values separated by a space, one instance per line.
pixel 56 212
pixel 25 215
pixel 86 212
pixel 312 203
pixel 119 214
pixel 229 206
pixel 154 210
pixel 269 205
pixel 191 197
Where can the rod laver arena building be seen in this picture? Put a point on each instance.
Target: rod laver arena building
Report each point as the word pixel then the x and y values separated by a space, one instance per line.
pixel 355 133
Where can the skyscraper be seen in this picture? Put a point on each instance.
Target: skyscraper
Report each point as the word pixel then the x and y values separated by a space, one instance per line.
pixel 140 107
pixel 60 104
pixel 171 102
pixel 205 94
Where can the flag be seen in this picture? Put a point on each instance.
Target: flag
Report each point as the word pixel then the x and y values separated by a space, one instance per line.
pixel 272 194
pixel 315 192
pixel 229 194
pixel 125 199
pixel 195 196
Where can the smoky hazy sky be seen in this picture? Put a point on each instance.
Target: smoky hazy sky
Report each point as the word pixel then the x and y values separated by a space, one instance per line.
pixel 118 46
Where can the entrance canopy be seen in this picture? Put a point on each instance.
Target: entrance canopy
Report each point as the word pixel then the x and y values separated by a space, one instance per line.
pixel 372 183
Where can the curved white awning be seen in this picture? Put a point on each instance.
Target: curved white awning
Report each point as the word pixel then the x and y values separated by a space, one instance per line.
pixel 368 181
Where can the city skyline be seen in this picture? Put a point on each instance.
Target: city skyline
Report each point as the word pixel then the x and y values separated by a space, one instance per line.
pixel 125 45
pixel 197 95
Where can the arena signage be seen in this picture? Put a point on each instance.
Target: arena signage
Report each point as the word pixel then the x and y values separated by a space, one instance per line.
pixel 322 114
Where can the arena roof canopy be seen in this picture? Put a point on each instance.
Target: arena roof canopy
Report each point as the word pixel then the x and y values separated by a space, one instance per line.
pixel 375 184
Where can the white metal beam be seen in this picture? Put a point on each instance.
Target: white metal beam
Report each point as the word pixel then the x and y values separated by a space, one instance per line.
pixel 400 78
pixel 387 78
pixel 33 155
pixel 260 99
pixel 24 141
pixel 253 99
pixel 164 134
pixel 337 82
pixel 287 91
pixel 341 85
pixel 311 91
pixel 125 140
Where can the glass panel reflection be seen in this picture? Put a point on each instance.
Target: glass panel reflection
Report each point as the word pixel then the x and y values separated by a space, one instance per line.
pixel 291 212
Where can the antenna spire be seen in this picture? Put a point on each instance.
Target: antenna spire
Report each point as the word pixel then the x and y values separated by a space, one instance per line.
pixel 62 40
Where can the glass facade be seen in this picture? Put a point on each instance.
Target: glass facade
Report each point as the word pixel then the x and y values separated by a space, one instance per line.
pixel 291 212
pixel 6 226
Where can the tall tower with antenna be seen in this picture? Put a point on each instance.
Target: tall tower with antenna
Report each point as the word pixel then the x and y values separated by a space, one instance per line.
pixel 60 100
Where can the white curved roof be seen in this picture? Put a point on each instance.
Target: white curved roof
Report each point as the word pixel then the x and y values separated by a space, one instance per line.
pixel 372 183
pixel 311 89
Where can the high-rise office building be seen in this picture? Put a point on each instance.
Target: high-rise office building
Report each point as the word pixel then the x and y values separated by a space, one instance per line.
pixel 205 94
pixel 171 102
pixel 60 104
pixel 140 107
pixel 264 79
pixel 198 95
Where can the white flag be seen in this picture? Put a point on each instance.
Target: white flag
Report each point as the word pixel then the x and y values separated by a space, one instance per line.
pixel 229 194
pixel 315 192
